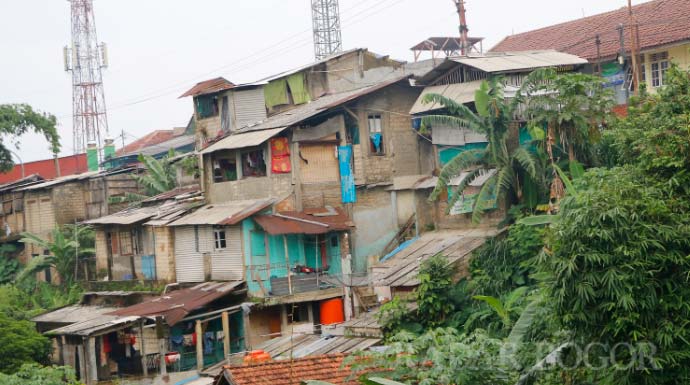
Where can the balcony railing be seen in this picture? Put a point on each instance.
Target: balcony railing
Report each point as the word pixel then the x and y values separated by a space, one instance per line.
pixel 281 279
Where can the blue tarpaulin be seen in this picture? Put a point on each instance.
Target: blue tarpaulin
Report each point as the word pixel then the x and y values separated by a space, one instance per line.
pixel 398 249
pixel 347 178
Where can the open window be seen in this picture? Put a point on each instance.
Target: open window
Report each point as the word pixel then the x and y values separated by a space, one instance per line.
pixel 253 163
pixel 220 239
pixel 206 106
pixel 224 168
pixel 375 134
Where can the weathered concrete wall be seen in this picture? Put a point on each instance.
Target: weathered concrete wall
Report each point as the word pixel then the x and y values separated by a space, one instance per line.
pixel 165 253
pixel 101 253
pixel 316 195
pixel 274 186
pixel 400 142
pixel 376 221
pixel 264 324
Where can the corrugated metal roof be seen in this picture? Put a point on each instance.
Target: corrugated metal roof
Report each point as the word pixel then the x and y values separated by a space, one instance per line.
pixel 209 87
pixel 74 313
pixel 242 140
pixel 227 213
pixel 176 305
pixel 519 61
pixel 460 93
pixel 402 269
pixel 76 177
pixel 409 182
pixel 305 222
pixel 305 345
pixel 310 65
pixel 444 43
pixel 23 182
pixel 99 325
pixel 164 207
pixel 157 148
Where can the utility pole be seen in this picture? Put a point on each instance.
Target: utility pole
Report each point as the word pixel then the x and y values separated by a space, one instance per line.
pixel 85 58
pixel 633 50
pixel 597 41
pixel 460 6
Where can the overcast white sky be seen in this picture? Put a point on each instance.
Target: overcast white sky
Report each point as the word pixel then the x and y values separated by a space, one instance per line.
pixel 159 48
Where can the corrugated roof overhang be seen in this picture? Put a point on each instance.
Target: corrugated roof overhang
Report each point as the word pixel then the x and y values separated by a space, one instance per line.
pixel 243 140
pixel 228 213
pixel 304 223
pixel 460 93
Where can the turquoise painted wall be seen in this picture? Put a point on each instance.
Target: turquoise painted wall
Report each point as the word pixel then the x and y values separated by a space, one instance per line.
pixel 301 251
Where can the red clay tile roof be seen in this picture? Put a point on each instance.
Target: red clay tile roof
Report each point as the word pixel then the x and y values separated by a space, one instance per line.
pixel 661 22
pixel 209 87
pixel 290 372
pixel 151 139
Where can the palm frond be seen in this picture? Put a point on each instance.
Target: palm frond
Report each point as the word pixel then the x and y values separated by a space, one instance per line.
pixel 527 161
pixel 462 161
pixel 487 191
pixel 458 191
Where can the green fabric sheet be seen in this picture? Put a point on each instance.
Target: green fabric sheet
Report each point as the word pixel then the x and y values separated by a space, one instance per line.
pixel 298 88
pixel 275 93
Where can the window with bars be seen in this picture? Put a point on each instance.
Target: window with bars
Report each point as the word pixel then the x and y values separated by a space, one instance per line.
pixel 219 238
pixel 126 243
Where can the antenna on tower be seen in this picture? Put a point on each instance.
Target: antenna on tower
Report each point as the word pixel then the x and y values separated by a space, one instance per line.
pixel 326 25
pixel 85 58
pixel 464 45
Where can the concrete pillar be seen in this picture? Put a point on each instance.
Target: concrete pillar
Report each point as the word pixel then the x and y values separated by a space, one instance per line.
pixel 92 156
pixel 92 362
pixel 142 343
pixel 226 334
pixel 162 349
pixel 199 346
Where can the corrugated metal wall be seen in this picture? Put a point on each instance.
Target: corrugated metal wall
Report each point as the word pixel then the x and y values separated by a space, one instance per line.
pixel 189 264
pixel 249 106
pixel 227 264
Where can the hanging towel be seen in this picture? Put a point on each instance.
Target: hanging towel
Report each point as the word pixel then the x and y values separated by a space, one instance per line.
pixel 208 342
pixel 376 141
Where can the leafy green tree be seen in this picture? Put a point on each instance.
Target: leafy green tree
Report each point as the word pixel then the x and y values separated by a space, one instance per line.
pixel 515 165
pixel 573 108
pixel 33 374
pixel 618 262
pixel 440 356
pixel 63 252
pixel 20 343
pixel 160 176
pixel 18 119
pixel 9 266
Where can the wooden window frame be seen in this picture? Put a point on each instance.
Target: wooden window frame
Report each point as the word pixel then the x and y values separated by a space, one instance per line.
pixel 220 239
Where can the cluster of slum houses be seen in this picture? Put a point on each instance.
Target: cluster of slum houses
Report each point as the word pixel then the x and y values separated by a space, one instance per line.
pixel 308 209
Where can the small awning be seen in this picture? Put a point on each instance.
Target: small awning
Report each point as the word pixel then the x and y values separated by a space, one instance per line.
pixel 176 305
pixel 103 324
pixel 313 221
pixel 227 213
pixel 243 140
pixel 461 93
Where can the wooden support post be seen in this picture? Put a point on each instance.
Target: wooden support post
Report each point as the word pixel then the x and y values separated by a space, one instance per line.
pixel 287 263
pixel 63 351
pixel 226 334
pixel 82 361
pixel 247 331
pixel 92 363
pixel 199 346
pixel 162 349
pixel 144 367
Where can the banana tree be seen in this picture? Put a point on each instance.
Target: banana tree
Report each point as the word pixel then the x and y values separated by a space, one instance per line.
pixel 514 165
pixel 160 176
pixel 62 254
